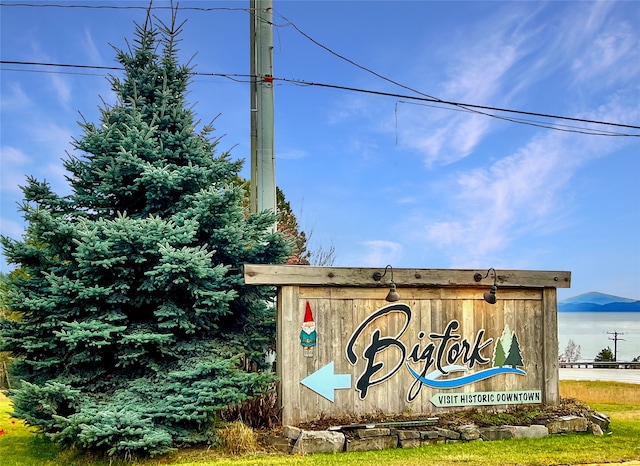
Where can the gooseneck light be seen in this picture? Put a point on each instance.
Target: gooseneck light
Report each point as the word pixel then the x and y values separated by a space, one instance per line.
pixel 489 296
pixel 393 295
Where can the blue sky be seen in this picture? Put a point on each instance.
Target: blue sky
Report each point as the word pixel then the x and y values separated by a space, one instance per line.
pixel 385 180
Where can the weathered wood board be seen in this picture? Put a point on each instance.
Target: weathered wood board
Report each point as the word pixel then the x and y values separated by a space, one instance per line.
pixel 440 338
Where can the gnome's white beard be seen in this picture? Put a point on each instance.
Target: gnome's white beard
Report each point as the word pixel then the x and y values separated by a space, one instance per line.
pixel 308 329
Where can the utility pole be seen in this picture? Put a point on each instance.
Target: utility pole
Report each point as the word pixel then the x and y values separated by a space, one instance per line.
pixel 615 343
pixel 263 172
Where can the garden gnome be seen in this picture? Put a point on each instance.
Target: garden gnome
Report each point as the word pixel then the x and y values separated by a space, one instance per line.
pixel 308 334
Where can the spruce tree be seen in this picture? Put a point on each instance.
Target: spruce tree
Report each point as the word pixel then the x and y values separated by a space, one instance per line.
pixel 135 331
pixel 288 225
pixel 605 354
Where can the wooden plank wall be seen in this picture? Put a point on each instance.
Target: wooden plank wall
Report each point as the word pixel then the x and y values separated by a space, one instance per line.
pixel 531 313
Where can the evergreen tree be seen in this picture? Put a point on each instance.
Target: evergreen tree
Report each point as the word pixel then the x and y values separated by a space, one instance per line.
pixel 605 354
pixel 288 225
pixel 134 329
pixel 6 314
pixel 514 357
pixel 498 354
pixel 506 338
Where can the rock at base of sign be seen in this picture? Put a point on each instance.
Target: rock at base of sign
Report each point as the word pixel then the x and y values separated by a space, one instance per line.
pixel 410 443
pixel 408 435
pixel 319 442
pixel 534 431
pixel 409 438
pixel 355 437
pixel 432 441
pixel 291 432
pixel 372 443
pixel 373 432
pixel 277 443
pixel 469 432
pixel 599 418
pixel 595 429
pixel 448 434
pixel 429 435
pixel 566 424
pixel 509 432
pixel 497 432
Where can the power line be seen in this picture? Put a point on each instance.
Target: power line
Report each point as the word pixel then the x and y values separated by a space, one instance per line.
pixel 22 70
pixel 118 7
pixel 348 60
pixel 61 65
pixel 460 105
pixel 233 77
pixel 464 107
pixel 378 75
pixel 524 121
pixel 479 109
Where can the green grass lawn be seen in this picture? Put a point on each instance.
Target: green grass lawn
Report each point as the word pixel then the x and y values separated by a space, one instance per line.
pixel 20 446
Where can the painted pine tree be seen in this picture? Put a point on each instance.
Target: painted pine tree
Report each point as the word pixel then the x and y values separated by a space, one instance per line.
pixel 498 354
pixel 514 357
pixel 134 331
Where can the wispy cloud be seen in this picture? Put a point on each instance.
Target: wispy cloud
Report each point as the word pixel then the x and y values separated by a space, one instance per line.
pixel 593 44
pixel 611 56
pixel 348 108
pixel 15 99
pixel 379 252
pixel 13 163
pixel 477 73
pixel 590 46
pixel 620 107
pixel 54 142
pixel 525 194
pixel 472 75
pixel 60 84
pixel 90 49
pixel 62 89
pixel 408 200
pixel 498 204
pixel 10 228
pixel 518 196
pixel 292 154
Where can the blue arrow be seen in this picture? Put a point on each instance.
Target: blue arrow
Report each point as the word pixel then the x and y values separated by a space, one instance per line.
pixel 324 381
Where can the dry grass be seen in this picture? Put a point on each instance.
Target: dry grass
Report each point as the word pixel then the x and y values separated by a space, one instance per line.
pixel 237 438
pixel 619 400
pixel 598 392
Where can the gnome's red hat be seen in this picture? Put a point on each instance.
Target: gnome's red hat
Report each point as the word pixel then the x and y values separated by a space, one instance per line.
pixel 308 316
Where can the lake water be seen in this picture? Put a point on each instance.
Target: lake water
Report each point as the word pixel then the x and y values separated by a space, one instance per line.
pixel 590 331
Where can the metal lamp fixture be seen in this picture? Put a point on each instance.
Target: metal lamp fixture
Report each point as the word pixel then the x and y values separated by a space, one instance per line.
pixel 489 296
pixel 393 295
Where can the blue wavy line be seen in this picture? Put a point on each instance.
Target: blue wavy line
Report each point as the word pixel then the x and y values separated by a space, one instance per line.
pixel 471 378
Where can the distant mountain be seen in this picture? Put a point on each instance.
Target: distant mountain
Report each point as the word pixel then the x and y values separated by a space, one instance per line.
pixel 598 302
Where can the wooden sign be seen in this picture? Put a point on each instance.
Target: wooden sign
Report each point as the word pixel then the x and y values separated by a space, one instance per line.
pixel 343 349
